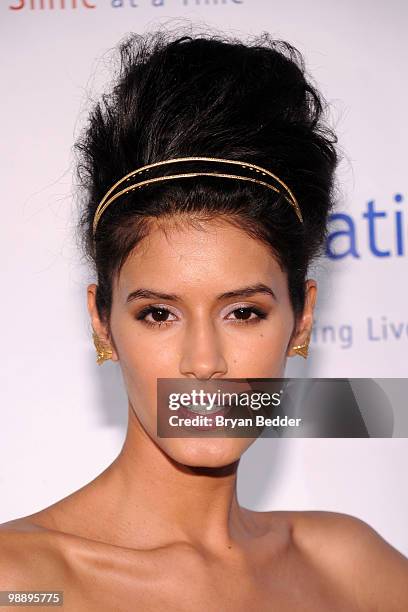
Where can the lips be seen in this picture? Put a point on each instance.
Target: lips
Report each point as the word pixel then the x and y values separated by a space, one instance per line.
pixel 207 410
pixel 202 410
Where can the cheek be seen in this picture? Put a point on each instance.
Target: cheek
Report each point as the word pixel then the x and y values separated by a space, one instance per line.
pixel 142 351
pixel 260 358
pixel 141 362
pixel 262 349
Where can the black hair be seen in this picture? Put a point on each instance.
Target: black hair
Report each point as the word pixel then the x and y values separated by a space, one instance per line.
pixel 208 95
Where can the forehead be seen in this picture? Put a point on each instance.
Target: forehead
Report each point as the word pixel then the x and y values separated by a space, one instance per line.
pixel 208 253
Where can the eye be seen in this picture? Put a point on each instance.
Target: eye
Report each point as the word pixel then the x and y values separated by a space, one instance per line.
pixel 159 316
pixel 244 315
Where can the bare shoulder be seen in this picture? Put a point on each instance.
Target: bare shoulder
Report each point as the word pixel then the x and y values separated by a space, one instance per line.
pixel 30 555
pixel 356 556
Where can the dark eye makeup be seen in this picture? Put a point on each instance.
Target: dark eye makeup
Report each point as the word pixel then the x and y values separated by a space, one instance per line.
pixel 160 315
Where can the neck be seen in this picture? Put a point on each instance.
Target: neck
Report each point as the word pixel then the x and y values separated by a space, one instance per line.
pixel 150 500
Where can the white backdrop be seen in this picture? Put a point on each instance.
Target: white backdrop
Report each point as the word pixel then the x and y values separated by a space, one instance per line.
pixel 62 417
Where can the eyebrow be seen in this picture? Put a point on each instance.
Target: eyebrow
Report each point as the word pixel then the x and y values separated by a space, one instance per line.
pixel 143 293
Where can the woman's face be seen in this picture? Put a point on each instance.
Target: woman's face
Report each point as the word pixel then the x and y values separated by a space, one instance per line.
pixel 204 303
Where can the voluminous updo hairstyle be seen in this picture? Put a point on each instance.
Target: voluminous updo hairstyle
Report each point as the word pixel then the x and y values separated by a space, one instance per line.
pixel 212 95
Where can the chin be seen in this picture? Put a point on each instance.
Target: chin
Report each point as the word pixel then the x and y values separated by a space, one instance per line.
pixel 206 452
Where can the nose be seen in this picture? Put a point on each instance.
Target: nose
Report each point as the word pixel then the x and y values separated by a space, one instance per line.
pixel 202 355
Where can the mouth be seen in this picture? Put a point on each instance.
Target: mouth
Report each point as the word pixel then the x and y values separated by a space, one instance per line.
pixel 206 409
pixel 201 411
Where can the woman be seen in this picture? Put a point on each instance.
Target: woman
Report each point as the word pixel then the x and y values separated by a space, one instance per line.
pixel 201 276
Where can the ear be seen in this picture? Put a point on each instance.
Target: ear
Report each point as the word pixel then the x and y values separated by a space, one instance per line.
pixel 304 325
pixel 100 327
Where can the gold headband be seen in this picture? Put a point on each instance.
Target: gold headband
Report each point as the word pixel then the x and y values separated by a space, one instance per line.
pixel 106 200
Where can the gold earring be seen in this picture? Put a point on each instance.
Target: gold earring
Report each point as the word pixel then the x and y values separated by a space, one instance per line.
pixel 302 349
pixel 103 351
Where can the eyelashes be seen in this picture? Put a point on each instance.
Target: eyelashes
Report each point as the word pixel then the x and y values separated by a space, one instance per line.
pixel 162 313
pixel 157 311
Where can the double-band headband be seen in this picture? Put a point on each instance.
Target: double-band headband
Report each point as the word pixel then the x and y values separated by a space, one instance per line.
pixel 110 197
